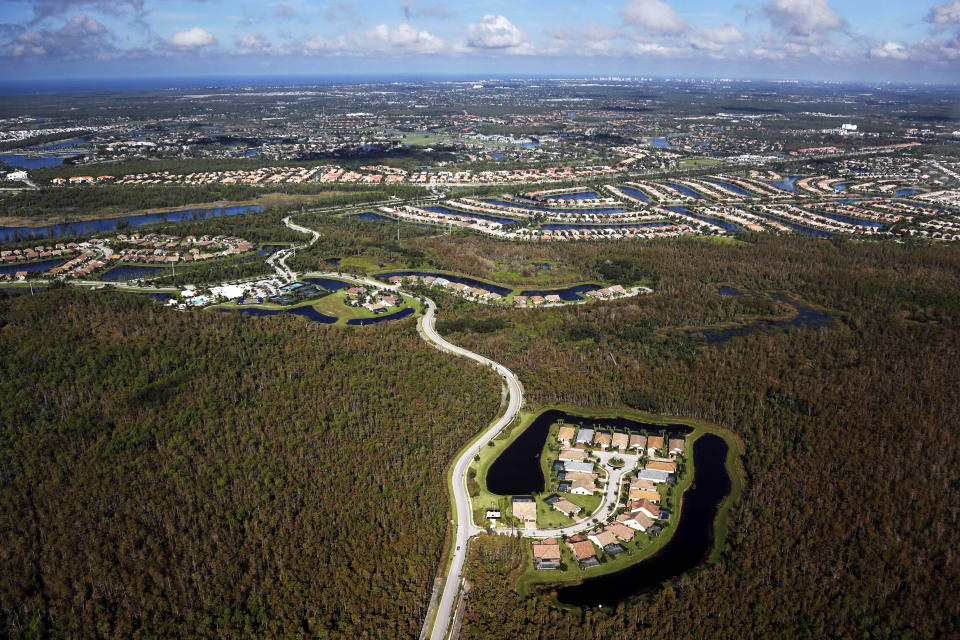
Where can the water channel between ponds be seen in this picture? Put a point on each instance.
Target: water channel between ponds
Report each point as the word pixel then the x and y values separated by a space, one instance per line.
pixel 690 545
pixel 516 471
pixel 806 318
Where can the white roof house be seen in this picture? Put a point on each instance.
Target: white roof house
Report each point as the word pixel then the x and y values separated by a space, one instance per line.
pixel 573 465
pixel 585 436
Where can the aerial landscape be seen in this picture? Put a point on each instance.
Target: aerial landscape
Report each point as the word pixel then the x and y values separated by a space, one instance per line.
pixel 421 319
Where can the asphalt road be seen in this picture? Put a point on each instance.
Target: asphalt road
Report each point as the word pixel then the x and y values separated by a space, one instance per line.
pixel 463 506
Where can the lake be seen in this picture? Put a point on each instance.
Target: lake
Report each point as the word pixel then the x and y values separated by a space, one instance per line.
pixel 32 267
pixel 570 294
pixel 687 191
pixel 329 284
pixel 691 542
pixel 530 207
pixel 360 322
pixel 131 271
pixel 807 318
pixel 481 216
pixel 634 193
pixel 10 234
pixel 723 224
pixel 516 471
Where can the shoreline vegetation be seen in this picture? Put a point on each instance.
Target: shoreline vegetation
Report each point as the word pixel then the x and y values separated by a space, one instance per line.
pixel 545 583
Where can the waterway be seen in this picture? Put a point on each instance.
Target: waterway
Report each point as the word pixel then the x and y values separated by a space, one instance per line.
pixel 806 318
pixel 329 284
pixel 570 294
pixel 403 313
pixel 131 271
pixel 10 234
pixel 470 282
pixel 580 195
pixel 723 224
pixel 634 193
pixel 32 267
pixel 452 212
pixel 530 207
pixel 691 542
pixel 687 191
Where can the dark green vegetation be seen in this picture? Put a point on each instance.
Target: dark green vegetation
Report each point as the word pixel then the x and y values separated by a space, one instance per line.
pixel 848 523
pixel 170 474
pixel 62 204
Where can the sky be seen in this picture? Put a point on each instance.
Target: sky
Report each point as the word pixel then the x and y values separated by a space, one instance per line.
pixel 832 40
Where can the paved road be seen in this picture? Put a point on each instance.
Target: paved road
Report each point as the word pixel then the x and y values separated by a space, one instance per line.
pixel 608 506
pixel 466 529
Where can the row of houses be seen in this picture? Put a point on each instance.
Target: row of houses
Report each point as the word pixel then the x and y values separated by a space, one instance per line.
pixel 618 440
pixel 468 291
pixel 39 252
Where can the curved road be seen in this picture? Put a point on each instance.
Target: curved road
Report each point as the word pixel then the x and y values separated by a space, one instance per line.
pixel 463 505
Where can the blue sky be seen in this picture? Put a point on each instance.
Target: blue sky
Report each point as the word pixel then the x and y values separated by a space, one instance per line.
pixel 878 40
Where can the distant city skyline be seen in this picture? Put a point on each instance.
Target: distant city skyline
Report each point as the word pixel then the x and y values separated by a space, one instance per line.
pixel 829 40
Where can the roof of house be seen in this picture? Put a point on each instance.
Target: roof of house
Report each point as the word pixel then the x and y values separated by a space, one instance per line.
pixel 639 517
pixel 525 510
pixel 579 475
pixel 642 483
pixel 548 549
pixel 585 435
pixel 621 531
pixel 605 537
pixel 583 485
pixel 566 433
pixel 638 440
pixel 644 494
pixel 620 440
pixel 572 454
pixel 677 444
pixel 655 442
pixel 573 465
pixel 662 466
pixel 655 475
pixel 601 438
pixel 649 507
pixel 582 550
pixel 565 506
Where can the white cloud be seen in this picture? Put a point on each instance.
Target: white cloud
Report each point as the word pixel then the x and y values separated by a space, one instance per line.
pixel 496 32
pixel 194 38
pixel 889 49
pixel 82 36
pixel 716 38
pixel 403 39
pixel 803 20
pixel 944 14
pixel 655 16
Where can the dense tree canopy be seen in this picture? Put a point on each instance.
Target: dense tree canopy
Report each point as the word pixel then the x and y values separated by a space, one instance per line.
pixel 204 474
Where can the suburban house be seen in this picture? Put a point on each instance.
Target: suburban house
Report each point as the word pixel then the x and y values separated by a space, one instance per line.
pixel 606 541
pixel 585 436
pixel 566 435
pixel 546 554
pixel 654 444
pixel 640 483
pixel 582 488
pixel 636 520
pixel 602 438
pixel 572 455
pixel 644 494
pixel 525 510
pixel 638 441
pixel 621 531
pixel 657 465
pixel 649 508
pixel 566 507
pixel 656 476
pixel 573 465
pixel 583 551
pixel 677 446
pixel 620 442
pixel 579 475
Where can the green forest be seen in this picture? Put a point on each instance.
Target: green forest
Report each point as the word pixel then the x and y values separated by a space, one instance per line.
pixel 848 524
pixel 171 474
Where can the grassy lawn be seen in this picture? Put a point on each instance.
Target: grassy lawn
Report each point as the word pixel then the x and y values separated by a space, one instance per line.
pixel 698 163
pixel 331 305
